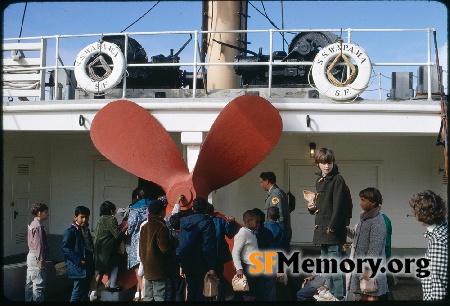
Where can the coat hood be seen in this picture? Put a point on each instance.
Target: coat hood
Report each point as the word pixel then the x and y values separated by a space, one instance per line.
pixel 152 217
pixel 190 222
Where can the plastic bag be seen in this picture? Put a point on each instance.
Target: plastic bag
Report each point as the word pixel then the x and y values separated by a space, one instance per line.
pixel 240 284
pixel 368 285
pixel 210 283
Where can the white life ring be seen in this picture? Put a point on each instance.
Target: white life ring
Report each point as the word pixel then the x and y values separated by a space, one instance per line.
pixel 114 76
pixel 327 55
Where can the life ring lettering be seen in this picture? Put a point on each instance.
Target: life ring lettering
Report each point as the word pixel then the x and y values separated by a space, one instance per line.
pixel 346 90
pixel 110 78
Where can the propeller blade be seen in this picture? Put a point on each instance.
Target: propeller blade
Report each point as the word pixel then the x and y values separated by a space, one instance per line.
pixel 244 133
pixel 130 137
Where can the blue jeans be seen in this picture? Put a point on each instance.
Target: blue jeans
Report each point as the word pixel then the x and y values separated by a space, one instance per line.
pixel 35 282
pixel 80 291
pixel 154 290
pixel 337 287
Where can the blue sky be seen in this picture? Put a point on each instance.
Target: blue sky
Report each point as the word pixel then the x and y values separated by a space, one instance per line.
pixel 53 18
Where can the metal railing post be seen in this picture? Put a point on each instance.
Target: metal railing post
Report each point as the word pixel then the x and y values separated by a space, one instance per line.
pixel 429 63
pixel 194 73
pixel 379 85
pixel 55 91
pixel 124 77
pixel 270 62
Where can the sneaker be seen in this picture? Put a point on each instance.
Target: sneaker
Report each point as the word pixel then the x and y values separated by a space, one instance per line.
pixel 325 295
pixel 93 298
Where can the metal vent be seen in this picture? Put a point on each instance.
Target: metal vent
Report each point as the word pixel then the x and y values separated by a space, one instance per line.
pixel 21 238
pixel 23 169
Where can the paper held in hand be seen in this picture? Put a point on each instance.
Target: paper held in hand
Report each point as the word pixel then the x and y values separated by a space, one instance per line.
pixel 309 196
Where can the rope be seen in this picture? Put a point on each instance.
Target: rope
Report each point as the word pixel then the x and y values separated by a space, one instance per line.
pixel 23 19
pixel 20 84
pixel 268 19
pixel 104 65
pixel 352 76
pixel 349 80
pixel 443 103
pixel 140 17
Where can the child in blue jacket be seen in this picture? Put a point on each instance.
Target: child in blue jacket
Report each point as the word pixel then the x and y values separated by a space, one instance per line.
pixel 78 248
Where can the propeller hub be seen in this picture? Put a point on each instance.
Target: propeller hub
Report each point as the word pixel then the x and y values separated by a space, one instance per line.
pixel 184 188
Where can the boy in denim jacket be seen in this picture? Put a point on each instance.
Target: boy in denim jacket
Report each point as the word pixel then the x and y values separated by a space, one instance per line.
pixel 78 248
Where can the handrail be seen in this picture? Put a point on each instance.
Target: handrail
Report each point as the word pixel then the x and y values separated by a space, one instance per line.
pixel 195 64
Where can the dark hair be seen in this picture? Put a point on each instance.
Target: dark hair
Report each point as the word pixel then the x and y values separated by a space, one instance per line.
pixel 174 221
pixel 209 209
pixel 37 208
pixel 156 207
pixel 428 207
pixel 262 216
pixel 200 204
pixel 372 194
pixel 82 210
pixel 134 196
pixel 107 208
pixel 138 194
pixel 268 176
pixel 324 156
pixel 273 213
pixel 249 215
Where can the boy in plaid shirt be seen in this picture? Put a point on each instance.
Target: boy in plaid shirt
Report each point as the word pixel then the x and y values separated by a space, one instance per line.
pixel 429 209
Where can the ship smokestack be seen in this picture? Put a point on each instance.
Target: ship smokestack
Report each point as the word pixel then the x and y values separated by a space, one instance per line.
pixel 224 16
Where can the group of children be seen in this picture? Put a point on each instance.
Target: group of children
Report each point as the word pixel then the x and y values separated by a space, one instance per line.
pixel 371 237
pixel 171 254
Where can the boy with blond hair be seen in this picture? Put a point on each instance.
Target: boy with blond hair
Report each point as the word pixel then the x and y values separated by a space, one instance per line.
pixel 330 210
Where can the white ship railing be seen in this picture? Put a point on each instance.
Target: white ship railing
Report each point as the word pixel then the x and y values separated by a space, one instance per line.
pixel 196 63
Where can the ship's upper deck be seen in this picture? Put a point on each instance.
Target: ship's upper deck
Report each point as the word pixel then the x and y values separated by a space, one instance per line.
pixel 178 83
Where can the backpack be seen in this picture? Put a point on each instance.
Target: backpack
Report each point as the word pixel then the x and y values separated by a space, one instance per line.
pixel 291 201
pixel 349 205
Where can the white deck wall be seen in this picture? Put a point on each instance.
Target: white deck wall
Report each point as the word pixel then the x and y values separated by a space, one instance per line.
pixel 63 175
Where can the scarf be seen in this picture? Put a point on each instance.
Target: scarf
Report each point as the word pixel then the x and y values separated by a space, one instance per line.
pixel 370 214
pixel 86 235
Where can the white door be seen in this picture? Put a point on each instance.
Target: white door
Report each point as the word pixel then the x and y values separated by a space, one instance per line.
pixel 113 184
pixel 302 222
pixel 301 175
pixel 22 179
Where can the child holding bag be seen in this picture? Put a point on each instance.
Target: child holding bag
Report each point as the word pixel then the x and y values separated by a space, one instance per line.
pixel 245 243
pixel 369 240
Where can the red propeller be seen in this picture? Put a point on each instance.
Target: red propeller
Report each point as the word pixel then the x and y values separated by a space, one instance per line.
pixel 243 134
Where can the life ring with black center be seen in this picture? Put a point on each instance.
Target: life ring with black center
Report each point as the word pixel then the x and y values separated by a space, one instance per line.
pixel 110 78
pixel 347 91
